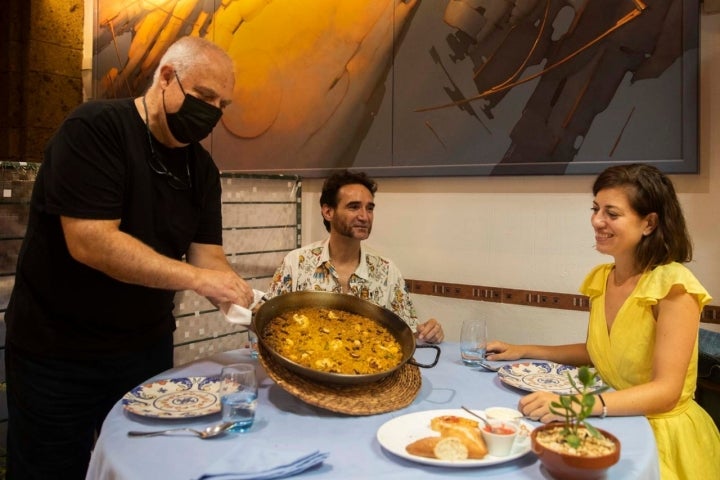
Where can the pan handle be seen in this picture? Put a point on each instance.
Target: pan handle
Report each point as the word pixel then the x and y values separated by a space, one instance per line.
pixel 430 365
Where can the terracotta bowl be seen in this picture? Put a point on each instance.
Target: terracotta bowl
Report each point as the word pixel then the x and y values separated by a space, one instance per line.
pixel 563 466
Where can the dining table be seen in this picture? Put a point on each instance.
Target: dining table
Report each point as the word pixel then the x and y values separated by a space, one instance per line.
pixel 351 441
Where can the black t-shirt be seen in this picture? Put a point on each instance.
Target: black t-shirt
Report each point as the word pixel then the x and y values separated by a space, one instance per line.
pixel 96 167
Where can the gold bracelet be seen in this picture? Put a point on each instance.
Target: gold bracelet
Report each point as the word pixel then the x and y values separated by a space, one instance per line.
pixel 604 408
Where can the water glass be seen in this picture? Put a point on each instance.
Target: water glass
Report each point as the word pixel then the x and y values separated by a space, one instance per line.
pixel 473 340
pixel 253 341
pixel 238 395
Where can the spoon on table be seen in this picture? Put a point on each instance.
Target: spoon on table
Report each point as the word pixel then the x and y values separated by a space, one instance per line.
pixel 209 432
pixel 524 417
pixel 487 424
pixel 487 366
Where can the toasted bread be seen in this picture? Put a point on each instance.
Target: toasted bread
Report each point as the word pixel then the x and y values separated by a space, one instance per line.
pixel 451 420
pixel 424 447
pixel 442 448
pixel 451 448
pixel 464 429
pixel 451 429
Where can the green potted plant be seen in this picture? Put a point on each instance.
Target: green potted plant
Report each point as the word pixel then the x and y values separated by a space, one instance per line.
pixel 574 449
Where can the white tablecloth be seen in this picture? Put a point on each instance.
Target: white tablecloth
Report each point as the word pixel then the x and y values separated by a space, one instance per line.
pixel 351 442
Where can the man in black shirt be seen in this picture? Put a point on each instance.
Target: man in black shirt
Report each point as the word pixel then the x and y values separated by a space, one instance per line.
pixel 125 191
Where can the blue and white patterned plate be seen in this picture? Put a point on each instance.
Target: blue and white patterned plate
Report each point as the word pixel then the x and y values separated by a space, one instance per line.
pixel 175 398
pixel 542 377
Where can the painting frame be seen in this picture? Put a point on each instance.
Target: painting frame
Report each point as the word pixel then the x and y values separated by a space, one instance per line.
pixel 439 122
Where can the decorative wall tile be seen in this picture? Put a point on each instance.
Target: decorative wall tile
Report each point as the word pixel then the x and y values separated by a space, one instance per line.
pixel 260 225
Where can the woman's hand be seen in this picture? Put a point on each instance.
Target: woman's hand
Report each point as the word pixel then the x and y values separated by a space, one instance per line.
pixel 497 350
pixel 536 406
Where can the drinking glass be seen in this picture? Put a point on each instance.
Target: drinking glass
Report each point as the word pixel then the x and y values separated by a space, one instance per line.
pixel 253 341
pixel 238 395
pixel 473 339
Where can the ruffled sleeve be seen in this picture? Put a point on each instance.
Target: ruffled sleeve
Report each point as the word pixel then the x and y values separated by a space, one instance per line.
pixel 594 283
pixel 660 280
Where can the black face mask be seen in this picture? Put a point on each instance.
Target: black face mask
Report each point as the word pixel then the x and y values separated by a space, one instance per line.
pixel 195 119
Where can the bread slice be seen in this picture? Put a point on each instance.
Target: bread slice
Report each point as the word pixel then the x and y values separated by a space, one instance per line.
pixel 424 447
pixel 465 429
pixel 459 439
pixel 442 448
pixel 451 448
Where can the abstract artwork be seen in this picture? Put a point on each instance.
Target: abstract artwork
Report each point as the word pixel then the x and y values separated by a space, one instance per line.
pixel 430 88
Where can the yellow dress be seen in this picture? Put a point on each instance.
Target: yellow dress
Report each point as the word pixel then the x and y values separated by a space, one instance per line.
pixel 687 439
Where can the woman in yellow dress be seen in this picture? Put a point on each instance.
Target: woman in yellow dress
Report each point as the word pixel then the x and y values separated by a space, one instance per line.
pixel 644 320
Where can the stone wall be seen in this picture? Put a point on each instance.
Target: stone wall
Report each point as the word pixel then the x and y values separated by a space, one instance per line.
pixel 41 72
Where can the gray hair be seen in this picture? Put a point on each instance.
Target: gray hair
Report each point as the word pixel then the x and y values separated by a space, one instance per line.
pixel 188 52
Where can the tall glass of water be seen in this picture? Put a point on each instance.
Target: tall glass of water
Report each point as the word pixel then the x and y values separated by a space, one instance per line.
pixel 473 340
pixel 238 395
pixel 253 343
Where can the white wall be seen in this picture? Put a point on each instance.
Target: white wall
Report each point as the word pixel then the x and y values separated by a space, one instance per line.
pixel 527 232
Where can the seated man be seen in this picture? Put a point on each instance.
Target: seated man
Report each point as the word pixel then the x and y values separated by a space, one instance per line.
pixel 342 264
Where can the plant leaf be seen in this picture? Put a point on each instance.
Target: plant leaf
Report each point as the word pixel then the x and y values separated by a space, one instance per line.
pixel 586 376
pixel 592 430
pixel 573 440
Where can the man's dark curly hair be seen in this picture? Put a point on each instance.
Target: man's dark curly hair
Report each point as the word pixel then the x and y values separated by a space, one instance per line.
pixel 334 182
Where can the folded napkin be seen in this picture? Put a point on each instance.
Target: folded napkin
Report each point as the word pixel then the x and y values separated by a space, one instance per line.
pixel 236 314
pixel 262 460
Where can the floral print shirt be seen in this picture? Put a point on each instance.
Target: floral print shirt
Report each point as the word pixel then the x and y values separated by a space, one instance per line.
pixel 376 278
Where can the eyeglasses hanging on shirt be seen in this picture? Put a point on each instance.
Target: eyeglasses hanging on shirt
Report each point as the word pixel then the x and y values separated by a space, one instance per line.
pixel 156 164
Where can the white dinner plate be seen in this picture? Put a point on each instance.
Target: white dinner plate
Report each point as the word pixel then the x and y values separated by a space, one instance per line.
pixel 175 398
pixel 542 377
pixel 394 435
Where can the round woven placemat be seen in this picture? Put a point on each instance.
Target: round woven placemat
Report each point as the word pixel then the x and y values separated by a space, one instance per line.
pixel 393 392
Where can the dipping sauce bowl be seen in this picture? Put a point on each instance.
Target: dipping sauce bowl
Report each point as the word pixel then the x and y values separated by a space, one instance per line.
pixel 500 438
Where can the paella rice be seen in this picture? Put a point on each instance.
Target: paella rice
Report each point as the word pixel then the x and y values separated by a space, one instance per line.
pixel 331 340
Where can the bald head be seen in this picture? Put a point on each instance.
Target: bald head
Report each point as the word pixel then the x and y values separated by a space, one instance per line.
pixel 189 53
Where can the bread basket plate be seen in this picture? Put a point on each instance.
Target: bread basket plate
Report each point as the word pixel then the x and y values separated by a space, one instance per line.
pixel 394 435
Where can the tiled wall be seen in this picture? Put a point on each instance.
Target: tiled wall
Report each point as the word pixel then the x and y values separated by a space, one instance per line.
pixel 261 223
